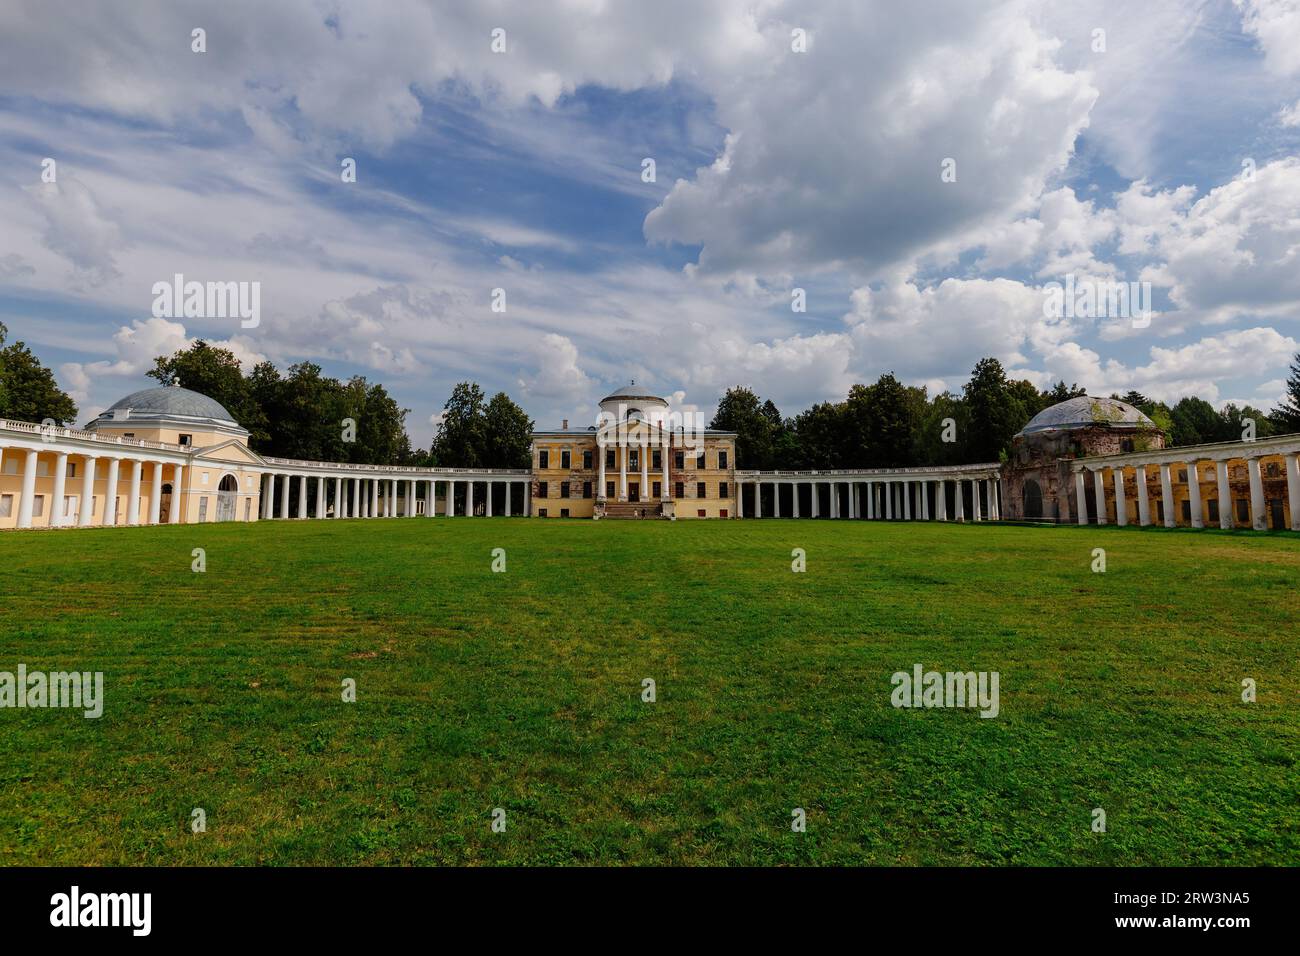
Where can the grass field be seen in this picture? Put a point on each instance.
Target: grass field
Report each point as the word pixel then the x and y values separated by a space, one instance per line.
pixel 522 690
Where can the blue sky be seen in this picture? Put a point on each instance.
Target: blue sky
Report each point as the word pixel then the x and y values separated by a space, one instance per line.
pixel 776 169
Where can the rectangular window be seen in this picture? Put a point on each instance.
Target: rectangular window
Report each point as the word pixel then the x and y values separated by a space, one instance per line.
pixel 72 469
pixel 609 458
pixel 248 504
pixel 1182 474
pixel 679 490
pixel 586 489
pixel 722 513
pixel 11 465
pixel 128 434
pixel 542 489
pixel 656 459
pixel 543 459
pixel 586 460
pixel 658 489
pixel 699 490
pixel 701 513
pixel 69 506
pixel 679 460
pixel 186 440
pixel 609 489
pixel 6 506
pixel 1160 512
pixel 1214 509
pixel 38 507
pixel 722 459
pixel 1272 469
pixel 1243 510
pixel 1187 512
pixel 634 460
pixel 564 512
pixel 566 459
pixel 722 490
pixel 203 509
pixel 541 512
pixel 42 469
pixel 564 489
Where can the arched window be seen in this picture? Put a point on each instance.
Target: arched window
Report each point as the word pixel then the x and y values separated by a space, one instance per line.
pixel 1033 499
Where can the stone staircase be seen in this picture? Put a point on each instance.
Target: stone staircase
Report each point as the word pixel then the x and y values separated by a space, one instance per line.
pixel 632 509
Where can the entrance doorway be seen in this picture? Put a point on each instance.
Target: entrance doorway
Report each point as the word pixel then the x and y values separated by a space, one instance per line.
pixel 227 494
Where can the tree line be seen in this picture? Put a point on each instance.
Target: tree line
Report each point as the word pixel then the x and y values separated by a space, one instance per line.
pixel 305 414
pixel 888 424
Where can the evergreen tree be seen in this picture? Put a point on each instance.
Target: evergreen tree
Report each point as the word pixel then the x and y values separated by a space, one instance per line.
pixel 1286 417
pixel 995 416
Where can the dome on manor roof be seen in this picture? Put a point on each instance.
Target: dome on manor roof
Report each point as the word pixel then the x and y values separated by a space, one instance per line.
pixel 1086 411
pixel 632 391
pixel 167 403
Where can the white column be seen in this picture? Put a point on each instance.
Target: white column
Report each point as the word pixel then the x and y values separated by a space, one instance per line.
pixel 374 497
pixel 109 516
pixel 487 497
pixel 1081 497
pixel 645 469
pixel 1291 464
pixel 285 481
pixel 528 499
pixel 976 507
pixel 320 496
pixel 88 492
pixel 178 483
pixel 925 501
pixel 1167 496
pixel 60 486
pixel 1194 494
pixel 663 461
pixel 622 470
pixel 410 498
pixel 853 499
pixel 1258 519
pixel 995 499
pixel 1225 495
pixel 469 497
pixel 776 499
pixel 510 490
pixel 816 489
pixel 339 503
pixel 1099 491
pixel 155 495
pixel 794 499
pixel 1144 502
pixel 889 501
pixel 268 494
pixel 133 502
pixel 941 500
pixel 600 482
pixel 302 497
pixel 1121 503
pixel 28 496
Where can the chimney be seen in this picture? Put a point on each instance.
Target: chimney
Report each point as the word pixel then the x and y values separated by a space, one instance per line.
pixel 565 425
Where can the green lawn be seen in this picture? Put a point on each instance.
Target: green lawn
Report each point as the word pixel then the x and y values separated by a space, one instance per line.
pixel 522 690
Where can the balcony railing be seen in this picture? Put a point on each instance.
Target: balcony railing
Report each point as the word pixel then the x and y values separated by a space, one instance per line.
pixel 52 432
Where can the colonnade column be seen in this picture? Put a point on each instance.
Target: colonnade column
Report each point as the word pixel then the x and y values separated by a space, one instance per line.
pixel 110 493
pixel 794 496
pixel 1194 494
pixel 320 496
pixel 284 495
pixel 268 492
pixel 941 500
pixel 1099 491
pixel 302 497
pixel 663 461
pixel 510 491
pixel 1144 502
pixel 1081 497
pixel 958 501
pixel 469 497
pixel 1121 504
pixel 1258 520
pixel 88 492
pixel 1167 496
pixel 1291 465
pixel 133 502
pixel 976 509
pixel 740 498
pixel 178 484
pixel 925 501
pixel 410 498
pixel 487 498
pixel 776 499
pixel 645 470
pixel 622 470
pixel 1225 495
pixel 28 495
pixel 60 485
pixel 155 496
